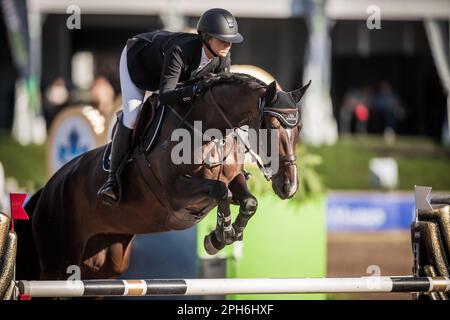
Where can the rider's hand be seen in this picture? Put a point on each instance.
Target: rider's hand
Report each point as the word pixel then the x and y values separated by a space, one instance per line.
pixel 197 89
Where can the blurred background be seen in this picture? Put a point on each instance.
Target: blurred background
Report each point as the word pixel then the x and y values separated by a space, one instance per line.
pixel 375 121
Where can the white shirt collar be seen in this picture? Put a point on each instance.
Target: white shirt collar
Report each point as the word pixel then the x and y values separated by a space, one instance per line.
pixel 204 59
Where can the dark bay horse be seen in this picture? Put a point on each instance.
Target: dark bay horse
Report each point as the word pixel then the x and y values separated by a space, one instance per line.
pixel 72 227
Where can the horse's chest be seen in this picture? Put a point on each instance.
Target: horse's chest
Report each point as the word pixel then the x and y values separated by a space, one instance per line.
pixel 222 159
pixel 190 215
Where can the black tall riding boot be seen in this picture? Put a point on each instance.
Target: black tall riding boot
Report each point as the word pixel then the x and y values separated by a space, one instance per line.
pixel 111 190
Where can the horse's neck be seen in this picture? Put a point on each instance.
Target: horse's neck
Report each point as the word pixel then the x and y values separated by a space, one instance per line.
pixel 235 103
pixel 229 105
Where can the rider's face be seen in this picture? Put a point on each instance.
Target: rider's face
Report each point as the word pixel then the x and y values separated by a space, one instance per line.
pixel 219 47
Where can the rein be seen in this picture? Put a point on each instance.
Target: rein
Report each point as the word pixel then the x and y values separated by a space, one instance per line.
pixel 287 118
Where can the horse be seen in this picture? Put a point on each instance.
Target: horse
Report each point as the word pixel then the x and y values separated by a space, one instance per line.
pixel 71 226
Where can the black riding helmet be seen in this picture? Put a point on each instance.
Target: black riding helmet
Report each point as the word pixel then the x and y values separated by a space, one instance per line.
pixel 220 24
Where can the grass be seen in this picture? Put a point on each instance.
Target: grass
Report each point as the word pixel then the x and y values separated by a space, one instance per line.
pixel 420 162
pixel 25 163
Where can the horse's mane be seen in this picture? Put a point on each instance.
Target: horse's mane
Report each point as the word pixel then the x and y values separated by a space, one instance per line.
pixel 213 79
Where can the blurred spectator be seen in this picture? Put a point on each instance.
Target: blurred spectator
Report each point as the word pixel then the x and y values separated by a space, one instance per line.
pixel 356 106
pixel 103 95
pixel 361 116
pixel 55 97
pixel 388 104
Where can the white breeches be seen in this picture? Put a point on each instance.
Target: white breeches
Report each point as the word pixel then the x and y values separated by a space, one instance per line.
pixel 132 96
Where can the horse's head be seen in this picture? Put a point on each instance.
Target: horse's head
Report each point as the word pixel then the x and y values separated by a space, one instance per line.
pixel 281 112
pixel 232 102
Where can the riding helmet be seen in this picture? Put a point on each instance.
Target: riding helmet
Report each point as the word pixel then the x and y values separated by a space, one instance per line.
pixel 220 24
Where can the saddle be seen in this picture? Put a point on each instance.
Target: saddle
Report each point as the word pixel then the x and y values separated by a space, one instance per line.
pixel 146 132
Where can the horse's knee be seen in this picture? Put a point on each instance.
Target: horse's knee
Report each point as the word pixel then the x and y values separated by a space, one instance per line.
pixel 249 206
pixel 119 256
pixel 95 263
pixel 118 268
pixel 220 191
pixel 105 264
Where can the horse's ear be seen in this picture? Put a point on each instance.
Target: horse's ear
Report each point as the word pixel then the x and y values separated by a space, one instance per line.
pixel 271 93
pixel 298 94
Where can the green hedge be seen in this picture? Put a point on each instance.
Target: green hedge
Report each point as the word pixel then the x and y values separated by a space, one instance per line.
pixel 27 164
pixel 420 162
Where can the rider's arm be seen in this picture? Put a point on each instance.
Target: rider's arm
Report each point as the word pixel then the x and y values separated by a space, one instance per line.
pixel 171 70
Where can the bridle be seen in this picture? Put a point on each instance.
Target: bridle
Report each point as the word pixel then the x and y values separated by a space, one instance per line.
pixel 289 117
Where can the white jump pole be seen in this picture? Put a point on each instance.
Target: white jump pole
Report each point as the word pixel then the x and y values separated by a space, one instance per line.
pixel 194 287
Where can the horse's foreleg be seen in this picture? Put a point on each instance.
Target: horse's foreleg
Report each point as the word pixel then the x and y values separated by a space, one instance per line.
pixel 248 205
pixel 223 234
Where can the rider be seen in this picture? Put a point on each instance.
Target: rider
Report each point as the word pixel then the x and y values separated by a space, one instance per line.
pixel 160 60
